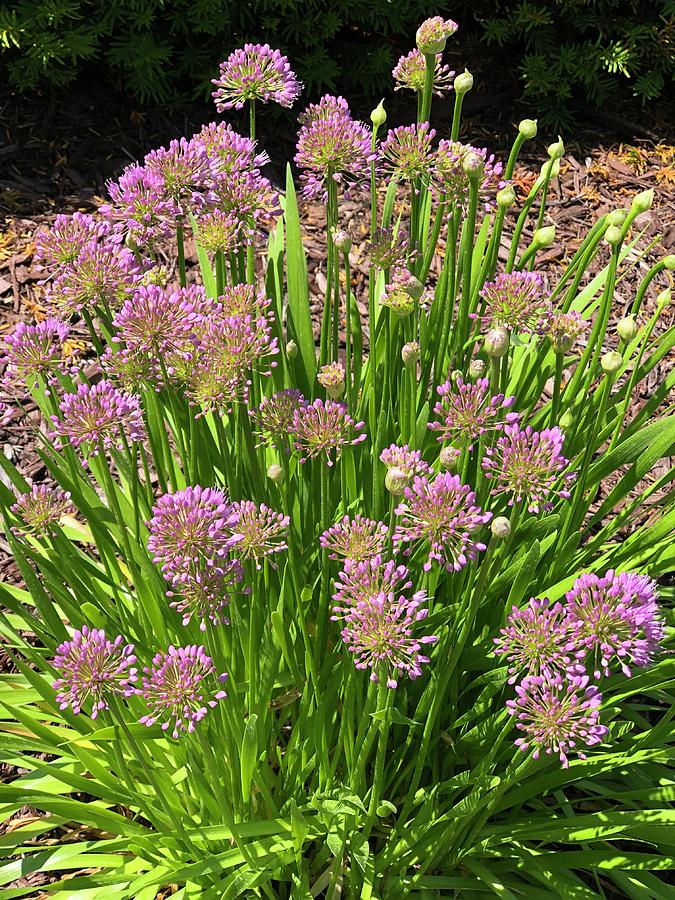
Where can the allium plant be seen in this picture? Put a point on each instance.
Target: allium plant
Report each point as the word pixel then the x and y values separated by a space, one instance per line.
pixel 436 574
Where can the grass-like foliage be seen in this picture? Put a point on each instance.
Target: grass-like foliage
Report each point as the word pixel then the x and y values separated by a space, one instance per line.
pixel 377 616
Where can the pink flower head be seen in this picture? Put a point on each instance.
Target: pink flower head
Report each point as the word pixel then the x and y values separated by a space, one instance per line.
pixel 536 641
pixel 565 328
pixel 93 668
pixel 186 170
pixel 102 275
pixel 332 378
pixel 557 714
pixel 407 153
pixel 219 232
pixel 275 415
pixel 41 508
pixel 255 72
pixel 410 73
pixel 249 198
pixel 516 301
pixel 409 461
pixel 260 530
pixel 99 414
pixel 68 235
pixel 141 206
pixel 204 593
pixel 387 248
pixel 233 151
pixel 331 147
pixel 380 620
pixel 527 464
pixel 441 514
pixel 321 427
pixel 451 182
pixel 356 539
pixel 179 689
pixel 616 620
pixel 433 33
pixel 34 351
pixel 190 530
pixel 466 411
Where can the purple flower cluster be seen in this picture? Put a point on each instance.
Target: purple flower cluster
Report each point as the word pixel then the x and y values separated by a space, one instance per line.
pixel 408 461
pixel 467 411
pixel 407 153
pixel 563 329
pixel 260 530
pixel 433 34
pixel 355 539
pixel 61 244
pixel 35 351
pixel 141 206
pixel 410 73
pixel 451 182
pixel 275 416
pixel 527 464
pixel 442 515
pixel 516 301
pixel 322 427
pixel 255 72
pixel 387 248
pixel 379 620
pixel 332 147
pixel 609 623
pixel 41 508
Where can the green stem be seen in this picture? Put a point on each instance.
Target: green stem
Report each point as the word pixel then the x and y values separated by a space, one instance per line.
pixel 555 401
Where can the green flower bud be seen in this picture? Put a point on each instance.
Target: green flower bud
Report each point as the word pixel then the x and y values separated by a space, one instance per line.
pixel 557 150
pixel 627 329
pixel 528 128
pixel 379 115
pixel 275 473
pixel 669 262
pixel 473 165
pixel 396 481
pixel 477 368
pixel 613 236
pixel 566 420
pixel 642 201
pixel 544 237
pixel 291 349
pixel 449 457
pixel 463 82
pixel 93 614
pixel 550 169
pixel 506 196
pixel 611 362
pixel 341 240
pixel 500 527
pixel 497 343
pixel 664 297
pixel 617 217
pixel 410 354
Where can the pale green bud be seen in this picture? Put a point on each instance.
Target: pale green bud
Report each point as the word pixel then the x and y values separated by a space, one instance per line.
pixel 449 457
pixel 396 481
pixel 497 343
pixel 341 240
pixel 477 368
pixel 528 128
pixel 611 362
pixel 550 169
pixel 627 329
pixel 410 354
pixel 613 236
pixel 642 201
pixel 500 527
pixel 566 420
pixel 291 349
pixel 463 82
pixel 617 217
pixel 473 165
pixel 664 297
pixel 669 262
pixel 506 196
pixel 544 237
pixel 275 473
pixel 379 115
pixel 557 150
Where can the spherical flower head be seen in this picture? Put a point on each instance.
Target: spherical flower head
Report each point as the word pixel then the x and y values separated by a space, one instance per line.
pixel 442 515
pixel 616 620
pixel 387 248
pixel 565 328
pixel 218 232
pixel 179 688
pixel 41 508
pixel 402 279
pixel 450 180
pixel 380 621
pixel 102 275
pixel 244 300
pixel 356 539
pixel 535 641
pixel 433 34
pixel 323 427
pixel 99 415
pixel 34 351
pixel 398 301
pixel 191 530
pixel 407 152
pixel 332 378
pixel 410 74
pixel 449 457
pixel 331 147
pixel 204 593
pixel 274 417
pixel 466 411
pixel 255 72
pixel 141 206
pixel 409 461
pixel 233 151
pixel 517 301
pixel 68 235
pixel 558 715
pixel 527 464
pixel 187 172
pixel 91 669
pixel 260 531
pixel 250 198
pixel 410 354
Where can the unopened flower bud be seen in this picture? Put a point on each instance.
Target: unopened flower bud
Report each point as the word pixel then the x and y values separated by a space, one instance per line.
pixel 500 527
pixel 506 196
pixel 627 329
pixel 463 83
pixel 497 343
pixel 617 217
pixel 477 368
pixel 332 378
pixel 550 169
pixel 528 128
pixel 342 240
pixel 664 298
pixel 275 473
pixel 669 262
pixel 473 165
pixel 611 362
pixel 613 236
pixel 566 420
pixel 396 481
pixel 449 457
pixel 642 201
pixel 544 237
pixel 557 150
pixel 433 34
pixel 291 349
pixel 379 115
pixel 413 287
pixel 410 353
pixel 455 374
